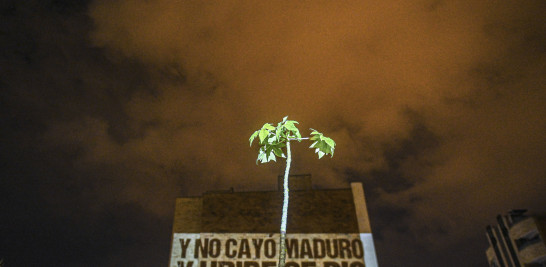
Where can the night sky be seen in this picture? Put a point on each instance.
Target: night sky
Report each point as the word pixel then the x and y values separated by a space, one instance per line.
pixel 110 109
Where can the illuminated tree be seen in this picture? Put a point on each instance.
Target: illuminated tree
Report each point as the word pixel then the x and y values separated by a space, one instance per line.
pixel 273 142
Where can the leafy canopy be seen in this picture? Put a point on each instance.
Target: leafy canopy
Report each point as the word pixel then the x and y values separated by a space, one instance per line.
pixel 272 140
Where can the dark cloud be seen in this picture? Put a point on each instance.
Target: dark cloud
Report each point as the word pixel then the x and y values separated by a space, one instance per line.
pixel 55 213
pixel 111 109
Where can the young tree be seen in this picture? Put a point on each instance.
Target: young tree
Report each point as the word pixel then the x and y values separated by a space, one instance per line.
pixel 273 141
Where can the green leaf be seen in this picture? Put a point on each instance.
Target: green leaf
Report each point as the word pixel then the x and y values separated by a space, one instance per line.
pixel 315 135
pixel 268 126
pixel 322 146
pixel 278 132
pixel 263 134
pixel 272 139
pixel 321 154
pixel 289 125
pixel 261 156
pixel 298 135
pixel 322 143
pixel 268 149
pixel 271 157
pixel 278 152
pixel 329 141
pixel 252 137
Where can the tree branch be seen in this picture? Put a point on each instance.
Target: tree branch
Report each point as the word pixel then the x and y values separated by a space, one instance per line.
pixel 298 139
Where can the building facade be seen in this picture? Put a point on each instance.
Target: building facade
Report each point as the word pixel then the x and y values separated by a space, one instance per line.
pixel 518 240
pixel 326 228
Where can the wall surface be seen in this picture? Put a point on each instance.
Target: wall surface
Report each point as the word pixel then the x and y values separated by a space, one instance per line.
pixel 324 224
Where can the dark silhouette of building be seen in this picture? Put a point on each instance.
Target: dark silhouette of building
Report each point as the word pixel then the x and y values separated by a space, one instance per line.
pixel 517 240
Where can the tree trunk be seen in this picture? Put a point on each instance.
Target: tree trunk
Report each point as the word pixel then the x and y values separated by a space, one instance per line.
pixel 282 252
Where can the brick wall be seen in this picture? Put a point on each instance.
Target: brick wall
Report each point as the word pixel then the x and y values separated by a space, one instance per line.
pixel 310 211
